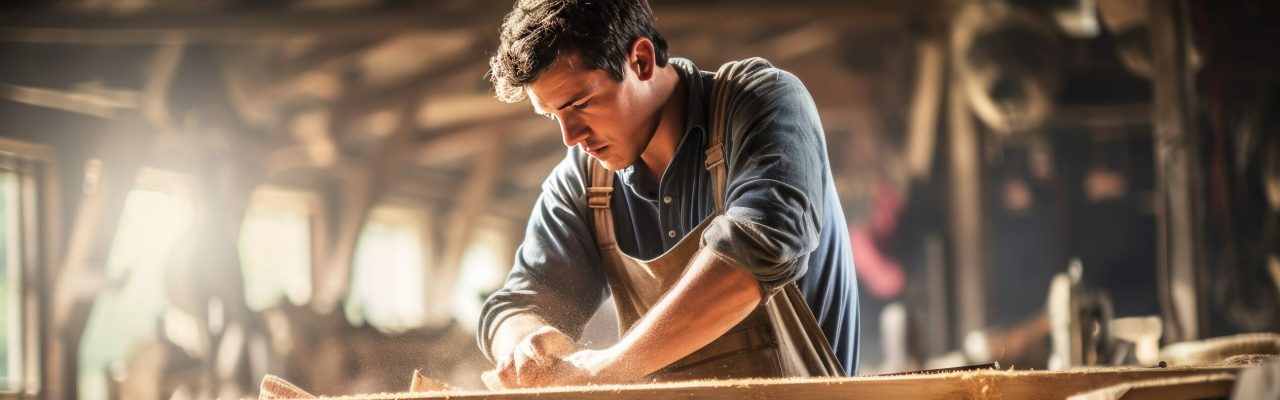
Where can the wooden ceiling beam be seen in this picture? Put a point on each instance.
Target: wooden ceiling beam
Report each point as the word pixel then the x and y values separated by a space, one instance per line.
pixel 48 25
pixel 679 14
pixel 447 148
pixel 95 101
pixel 352 108
pixel 258 26
pixel 428 185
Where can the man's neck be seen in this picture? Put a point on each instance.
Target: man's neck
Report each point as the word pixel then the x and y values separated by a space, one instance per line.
pixel 670 128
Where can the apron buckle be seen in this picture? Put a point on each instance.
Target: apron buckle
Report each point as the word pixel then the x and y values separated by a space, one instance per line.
pixel 598 197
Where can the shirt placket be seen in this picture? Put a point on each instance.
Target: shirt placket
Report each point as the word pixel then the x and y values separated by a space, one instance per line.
pixel 666 210
pixel 670 222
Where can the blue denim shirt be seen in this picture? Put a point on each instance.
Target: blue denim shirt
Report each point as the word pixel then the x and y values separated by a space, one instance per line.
pixel 782 220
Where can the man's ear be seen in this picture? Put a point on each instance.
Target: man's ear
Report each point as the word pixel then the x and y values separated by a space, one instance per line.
pixel 643 58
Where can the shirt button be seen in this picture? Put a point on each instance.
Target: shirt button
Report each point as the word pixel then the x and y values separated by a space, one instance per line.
pixel 671 234
pixel 666 199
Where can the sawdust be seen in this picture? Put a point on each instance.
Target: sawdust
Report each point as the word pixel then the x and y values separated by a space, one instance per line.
pixel 978 385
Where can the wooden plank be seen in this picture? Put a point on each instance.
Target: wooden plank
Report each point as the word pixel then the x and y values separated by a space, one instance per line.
pixel 1213 386
pixel 993 384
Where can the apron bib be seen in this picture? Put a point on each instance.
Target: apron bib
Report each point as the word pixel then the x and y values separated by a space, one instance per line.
pixel 780 338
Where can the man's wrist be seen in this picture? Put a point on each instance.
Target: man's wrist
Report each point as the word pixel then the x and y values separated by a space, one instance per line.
pixel 512 330
pixel 604 366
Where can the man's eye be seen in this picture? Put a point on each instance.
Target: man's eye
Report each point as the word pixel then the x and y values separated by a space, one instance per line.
pixel 582 105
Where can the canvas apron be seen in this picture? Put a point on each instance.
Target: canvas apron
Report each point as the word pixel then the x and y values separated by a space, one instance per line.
pixel 779 338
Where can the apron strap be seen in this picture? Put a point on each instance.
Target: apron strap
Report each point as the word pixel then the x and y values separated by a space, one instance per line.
pixel 722 89
pixel 717 120
pixel 599 196
pixel 625 293
pixel 814 342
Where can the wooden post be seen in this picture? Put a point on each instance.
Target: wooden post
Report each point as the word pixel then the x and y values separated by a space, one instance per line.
pixel 1178 183
pixel 471 203
pixel 360 193
pixel 965 214
pixel 922 126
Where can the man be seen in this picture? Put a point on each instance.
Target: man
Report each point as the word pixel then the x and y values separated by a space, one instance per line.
pixel 774 233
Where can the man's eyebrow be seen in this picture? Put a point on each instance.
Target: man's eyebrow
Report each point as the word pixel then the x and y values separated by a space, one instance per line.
pixel 573 99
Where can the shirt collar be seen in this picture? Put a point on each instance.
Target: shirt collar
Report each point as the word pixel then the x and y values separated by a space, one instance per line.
pixel 696 116
pixel 695 121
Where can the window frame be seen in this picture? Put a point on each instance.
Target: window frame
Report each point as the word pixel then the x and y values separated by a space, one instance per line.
pixel 39 206
pixel 393 211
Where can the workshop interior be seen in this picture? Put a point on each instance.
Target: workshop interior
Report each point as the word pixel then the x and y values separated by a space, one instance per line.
pixel 246 199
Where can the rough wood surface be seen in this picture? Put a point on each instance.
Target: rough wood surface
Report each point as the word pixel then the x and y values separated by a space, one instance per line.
pixel 1211 386
pixel 1219 349
pixel 994 384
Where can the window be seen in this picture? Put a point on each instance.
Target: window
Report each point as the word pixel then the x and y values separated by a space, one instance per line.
pixel 24 174
pixel 276 246
pixel 484 265
pixel 388 272
pixel 157 212
pixel 10 282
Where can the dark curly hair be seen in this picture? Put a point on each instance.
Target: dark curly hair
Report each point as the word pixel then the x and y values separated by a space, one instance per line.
pixel 537 31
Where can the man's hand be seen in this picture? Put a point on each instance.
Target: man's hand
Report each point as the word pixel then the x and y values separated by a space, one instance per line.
pixel 537 360
pixel 706 302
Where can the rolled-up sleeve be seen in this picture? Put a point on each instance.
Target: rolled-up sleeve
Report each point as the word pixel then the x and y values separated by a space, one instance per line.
pixel 775 158
pixel 555 275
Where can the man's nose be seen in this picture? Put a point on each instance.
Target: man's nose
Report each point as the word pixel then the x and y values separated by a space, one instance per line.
pixel 571 132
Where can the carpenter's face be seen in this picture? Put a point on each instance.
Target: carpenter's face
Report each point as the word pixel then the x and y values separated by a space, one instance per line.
pixel 611 120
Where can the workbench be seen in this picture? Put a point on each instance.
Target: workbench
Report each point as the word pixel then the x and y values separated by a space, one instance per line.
pixel 1089 383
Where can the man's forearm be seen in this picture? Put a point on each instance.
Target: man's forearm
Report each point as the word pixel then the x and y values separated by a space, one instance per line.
pixel 511 331
pixel 711 297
